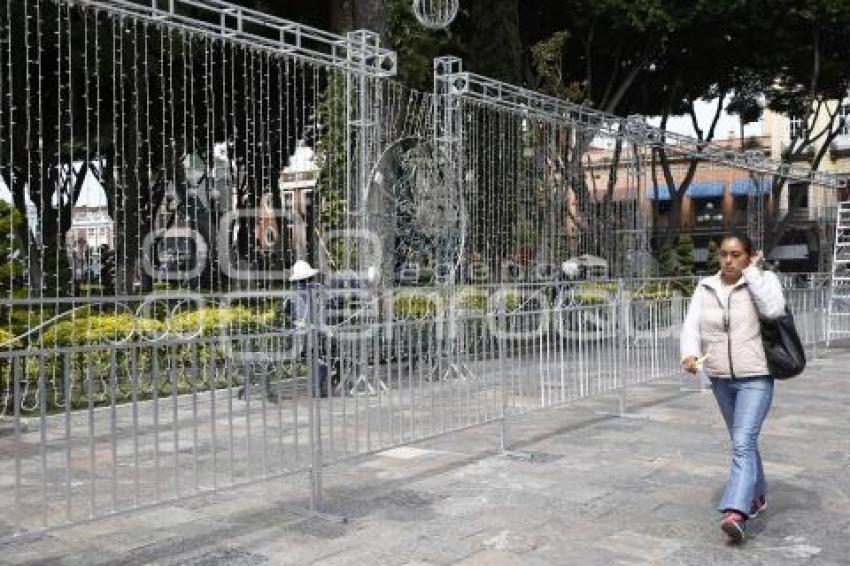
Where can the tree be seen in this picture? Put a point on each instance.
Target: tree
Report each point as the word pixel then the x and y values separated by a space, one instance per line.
pixel 347 15
pixel 666 261
pixel 685 255
pixel 658 58
pixel 746 101
pixel 713 263
pixel 12 265
pixel 49 141
pixel 332 156
pixel 649 58
pixel 661 159
pixel 493 38
pixel 416 46
pixel 107 270
pixel 804 78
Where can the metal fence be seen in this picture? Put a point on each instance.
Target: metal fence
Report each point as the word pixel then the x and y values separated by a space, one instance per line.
pixel 159 173
pixel 98 429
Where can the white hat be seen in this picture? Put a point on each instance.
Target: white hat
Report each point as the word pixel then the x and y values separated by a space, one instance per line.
pixel 570 268
pixel 372 274
pixel 301 270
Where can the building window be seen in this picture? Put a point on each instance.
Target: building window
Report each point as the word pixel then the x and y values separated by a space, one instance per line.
pixel 844 115
pixel 796 128
pixel 798 194
pixel 739 214
pixel 708 212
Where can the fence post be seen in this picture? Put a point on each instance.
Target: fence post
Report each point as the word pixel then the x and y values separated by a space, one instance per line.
pixel 503 432
pixel 808 319
pixel 622 319
pixel 314 413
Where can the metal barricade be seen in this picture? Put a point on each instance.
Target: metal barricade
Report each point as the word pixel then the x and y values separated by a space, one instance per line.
pixel 91 430
pixel 159 171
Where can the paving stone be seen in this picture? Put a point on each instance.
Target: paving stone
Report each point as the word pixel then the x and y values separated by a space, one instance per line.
pixel 493 558
pixel 639 546
pixel 604 491
pixel 228 557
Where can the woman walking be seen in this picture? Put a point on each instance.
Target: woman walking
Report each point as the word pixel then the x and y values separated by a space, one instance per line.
pixel 722 334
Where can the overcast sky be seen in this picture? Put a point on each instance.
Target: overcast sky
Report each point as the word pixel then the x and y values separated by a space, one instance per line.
pixel 727 127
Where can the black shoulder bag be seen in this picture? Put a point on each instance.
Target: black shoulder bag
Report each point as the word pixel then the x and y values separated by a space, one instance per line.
pixel 782 346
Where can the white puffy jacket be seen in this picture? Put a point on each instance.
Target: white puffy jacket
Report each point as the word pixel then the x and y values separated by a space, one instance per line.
pixel 730 333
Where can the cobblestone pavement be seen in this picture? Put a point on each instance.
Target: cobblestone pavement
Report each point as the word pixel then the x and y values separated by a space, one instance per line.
pixel 579 487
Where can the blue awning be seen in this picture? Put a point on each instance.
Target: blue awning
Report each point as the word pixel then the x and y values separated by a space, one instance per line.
pixel 741 187
pixel 661 192
pixel 702 189
pixel 706 189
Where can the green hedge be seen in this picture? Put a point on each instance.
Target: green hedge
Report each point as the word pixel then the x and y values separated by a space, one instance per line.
pixel 212 320
pixel 473 299
pixel 93 329
pixel 414 307
pixel 425 305
pixel 478 300
pixel 655 290
pixel 8 339
pixel 590 293
pixel 99 329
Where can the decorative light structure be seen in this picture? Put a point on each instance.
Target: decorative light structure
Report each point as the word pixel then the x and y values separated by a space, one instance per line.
pixel 435 14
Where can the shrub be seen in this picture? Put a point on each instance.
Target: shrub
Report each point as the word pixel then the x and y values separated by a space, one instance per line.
pixel 685 255
pixel 713 264
pixel 654 290
pixel 415 307
pixel 590 293
pixel 666 261
pixel 99 329
pixel 472 299
pixel 212 320
pixel 8 339
pixel 20 319
pixel 478 300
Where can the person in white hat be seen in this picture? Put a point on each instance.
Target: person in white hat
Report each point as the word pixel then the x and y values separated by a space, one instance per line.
pixel 570 269
pixel 301 276
pixel 302 271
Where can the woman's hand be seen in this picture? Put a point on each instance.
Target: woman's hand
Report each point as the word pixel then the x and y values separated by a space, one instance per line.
pixel 757 259
pixel 689 364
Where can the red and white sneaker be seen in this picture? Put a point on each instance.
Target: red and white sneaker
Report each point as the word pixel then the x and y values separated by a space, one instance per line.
pixel 733 526
pixel 759 505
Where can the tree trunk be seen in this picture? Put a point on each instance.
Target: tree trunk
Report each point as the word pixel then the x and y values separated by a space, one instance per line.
pixel 776 228
pixel 350 15
pixel 674 220
pixel 495 49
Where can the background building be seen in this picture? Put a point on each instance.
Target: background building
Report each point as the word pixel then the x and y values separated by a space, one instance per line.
pixel 91 225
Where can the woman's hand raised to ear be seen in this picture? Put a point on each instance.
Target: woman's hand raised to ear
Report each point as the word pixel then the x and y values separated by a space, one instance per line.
pixel 689 364
pixel 757 259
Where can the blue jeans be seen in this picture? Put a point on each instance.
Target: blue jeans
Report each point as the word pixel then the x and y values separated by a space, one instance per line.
pixel 744 404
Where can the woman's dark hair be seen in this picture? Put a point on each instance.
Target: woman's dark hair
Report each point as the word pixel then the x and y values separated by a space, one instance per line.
pixel 745 240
